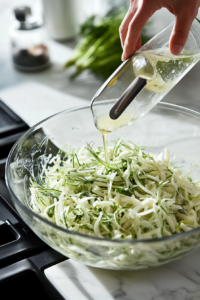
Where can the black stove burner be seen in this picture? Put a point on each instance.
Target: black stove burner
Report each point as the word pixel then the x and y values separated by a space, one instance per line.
pixel 11 128
pixel 17 241
pixel 26 280
pixel 23 256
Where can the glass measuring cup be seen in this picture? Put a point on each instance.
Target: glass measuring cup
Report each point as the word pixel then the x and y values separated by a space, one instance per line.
pixel 159 69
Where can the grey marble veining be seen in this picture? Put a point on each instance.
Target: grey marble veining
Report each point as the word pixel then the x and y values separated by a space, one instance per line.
pixel 179 280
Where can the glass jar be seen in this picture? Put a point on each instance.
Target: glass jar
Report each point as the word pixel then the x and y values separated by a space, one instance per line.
pixel 153 63
pixel 28 40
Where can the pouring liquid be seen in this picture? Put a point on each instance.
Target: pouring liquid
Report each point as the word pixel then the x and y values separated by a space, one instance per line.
pixel 161 68
pixel 104 135
pixel 162 71
pixel 106 125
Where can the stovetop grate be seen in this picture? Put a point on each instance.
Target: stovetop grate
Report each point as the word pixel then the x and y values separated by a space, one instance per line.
pixel 23 256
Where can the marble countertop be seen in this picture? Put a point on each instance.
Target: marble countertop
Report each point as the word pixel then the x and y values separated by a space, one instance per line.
pixel 179 280
pixel 55 77
pixel 185 93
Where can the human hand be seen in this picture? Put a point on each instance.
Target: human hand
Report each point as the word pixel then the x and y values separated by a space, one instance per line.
pixel 140 11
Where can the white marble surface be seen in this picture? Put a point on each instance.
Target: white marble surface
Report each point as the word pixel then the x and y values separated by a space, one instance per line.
pixel 179 280
pixel 34 102
pixel 185 93
pixel 56 77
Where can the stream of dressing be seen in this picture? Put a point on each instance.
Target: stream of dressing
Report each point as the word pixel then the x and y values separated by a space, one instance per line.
pixel 106 125
pixel 162 71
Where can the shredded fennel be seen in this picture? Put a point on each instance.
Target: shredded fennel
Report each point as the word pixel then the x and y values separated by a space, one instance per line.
pixel 136 195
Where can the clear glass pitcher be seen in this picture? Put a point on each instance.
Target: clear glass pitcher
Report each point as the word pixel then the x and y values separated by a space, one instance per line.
pixel 158 66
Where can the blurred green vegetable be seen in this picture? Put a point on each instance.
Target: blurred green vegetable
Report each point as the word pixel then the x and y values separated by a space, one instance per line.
pixel 99 48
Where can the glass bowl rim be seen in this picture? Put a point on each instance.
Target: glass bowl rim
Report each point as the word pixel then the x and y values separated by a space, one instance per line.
pixel 15 147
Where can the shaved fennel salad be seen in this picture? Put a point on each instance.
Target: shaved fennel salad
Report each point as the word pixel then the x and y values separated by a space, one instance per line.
pixel 137 195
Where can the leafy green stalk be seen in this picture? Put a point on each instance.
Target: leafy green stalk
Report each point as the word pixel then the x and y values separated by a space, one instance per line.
pixel 99 49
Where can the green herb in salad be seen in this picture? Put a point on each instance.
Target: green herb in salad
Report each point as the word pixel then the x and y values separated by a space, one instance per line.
pixel 99 49
pixel 137 195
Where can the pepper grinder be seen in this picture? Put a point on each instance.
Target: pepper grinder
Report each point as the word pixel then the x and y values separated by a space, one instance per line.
pixel 28 41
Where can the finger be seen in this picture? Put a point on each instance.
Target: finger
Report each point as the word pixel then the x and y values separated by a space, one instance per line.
pixel 180 32
pixel 170 9
pixel 124 26
pixel 134 30
pixel 138 45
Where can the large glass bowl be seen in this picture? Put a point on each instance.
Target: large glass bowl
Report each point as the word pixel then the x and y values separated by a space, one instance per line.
pixel 165 126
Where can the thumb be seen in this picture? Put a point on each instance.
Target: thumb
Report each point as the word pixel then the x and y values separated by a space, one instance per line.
pixel 180 33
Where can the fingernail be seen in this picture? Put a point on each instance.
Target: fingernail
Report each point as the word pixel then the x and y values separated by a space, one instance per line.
pixel 176 49
pixel 123 56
